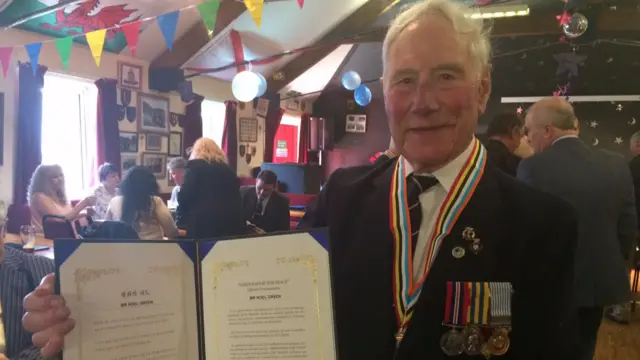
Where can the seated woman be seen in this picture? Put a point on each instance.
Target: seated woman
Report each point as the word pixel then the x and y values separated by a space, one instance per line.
pixel 139 206
pixel 47 196
pixel 209 203
pixel 109 176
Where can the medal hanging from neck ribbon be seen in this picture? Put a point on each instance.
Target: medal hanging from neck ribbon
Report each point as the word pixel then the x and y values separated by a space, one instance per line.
pixel 405 286
pixel 3 343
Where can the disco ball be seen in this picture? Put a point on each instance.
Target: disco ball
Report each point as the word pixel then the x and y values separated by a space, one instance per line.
pixel 576 27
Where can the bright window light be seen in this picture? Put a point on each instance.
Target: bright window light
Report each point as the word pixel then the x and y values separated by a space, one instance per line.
pixel 213 114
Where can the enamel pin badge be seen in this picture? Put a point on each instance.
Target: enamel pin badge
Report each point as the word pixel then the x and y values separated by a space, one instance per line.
pixel 469 235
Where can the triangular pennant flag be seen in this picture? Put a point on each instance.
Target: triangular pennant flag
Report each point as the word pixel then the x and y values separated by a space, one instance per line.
pixel 5 59
pixel 96 44
pixel 64 46
pixel 301 3
pixel 33 50
pixel 167 24
pixel 131 33
pixel 255 9
pixel 209 12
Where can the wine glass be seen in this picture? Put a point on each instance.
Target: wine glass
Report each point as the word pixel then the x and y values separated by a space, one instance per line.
pixel 28 235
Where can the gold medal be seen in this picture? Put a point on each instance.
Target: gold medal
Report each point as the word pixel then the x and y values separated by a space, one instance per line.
pixel 499 342
pixel 473 341
pixel 452 343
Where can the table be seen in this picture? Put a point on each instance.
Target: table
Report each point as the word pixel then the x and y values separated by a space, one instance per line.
pixel 16 239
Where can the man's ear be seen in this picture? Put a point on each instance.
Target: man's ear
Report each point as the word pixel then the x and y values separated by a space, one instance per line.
pixel 484 90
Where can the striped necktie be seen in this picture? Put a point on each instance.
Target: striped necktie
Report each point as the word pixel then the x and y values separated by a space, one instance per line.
pixel 416 185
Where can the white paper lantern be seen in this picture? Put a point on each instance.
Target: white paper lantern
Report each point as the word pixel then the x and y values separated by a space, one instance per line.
pixel 245 86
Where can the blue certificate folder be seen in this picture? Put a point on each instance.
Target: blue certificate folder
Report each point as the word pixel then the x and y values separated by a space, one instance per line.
pixel 218 299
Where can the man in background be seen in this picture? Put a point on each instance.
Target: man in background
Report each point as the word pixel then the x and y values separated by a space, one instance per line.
pixel 505 134
pixel 263 205
pixel 176 168
pixel 599 186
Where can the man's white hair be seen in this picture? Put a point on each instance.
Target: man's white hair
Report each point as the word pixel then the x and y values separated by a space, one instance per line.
pixel 478 35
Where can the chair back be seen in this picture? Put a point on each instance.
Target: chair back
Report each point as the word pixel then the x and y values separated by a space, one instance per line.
pixel 57 227
pixel 116 230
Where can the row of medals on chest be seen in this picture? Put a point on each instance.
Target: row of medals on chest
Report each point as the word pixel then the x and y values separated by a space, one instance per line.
pixel 474 340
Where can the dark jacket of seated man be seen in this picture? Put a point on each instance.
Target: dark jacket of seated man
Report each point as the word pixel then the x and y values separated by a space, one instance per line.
pixel 20 273
pixel 263 205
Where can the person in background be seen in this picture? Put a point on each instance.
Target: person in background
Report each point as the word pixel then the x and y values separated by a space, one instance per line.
pixel 20 273
pixel 209 202
pixel 524 150
pixel 505 134
pixel 139 206
pixel 109 176
pixel 599 186
pixel 176 168
pixel 47 196
pixel 263 205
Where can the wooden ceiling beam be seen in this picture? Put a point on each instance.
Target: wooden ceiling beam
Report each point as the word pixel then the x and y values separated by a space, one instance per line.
pixel 198 37
pixel 357 22
pixel 625 18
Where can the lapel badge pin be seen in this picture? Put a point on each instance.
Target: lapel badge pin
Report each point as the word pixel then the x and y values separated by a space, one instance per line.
pixel 469 234
pixel 458 252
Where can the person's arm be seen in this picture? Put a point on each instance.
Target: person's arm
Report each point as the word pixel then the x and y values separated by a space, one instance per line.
pixel 45 205
pixel 524 172
pixel 627 220
pixel 169 228
pixel 188 191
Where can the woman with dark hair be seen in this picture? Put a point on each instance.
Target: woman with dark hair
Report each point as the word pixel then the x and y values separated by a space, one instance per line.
pixel 139 206
pixel 109 176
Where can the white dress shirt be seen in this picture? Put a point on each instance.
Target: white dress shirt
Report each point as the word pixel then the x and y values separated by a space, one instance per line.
pixel 430 201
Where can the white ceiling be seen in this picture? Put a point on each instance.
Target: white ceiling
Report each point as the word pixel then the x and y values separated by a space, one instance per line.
pixel 284 27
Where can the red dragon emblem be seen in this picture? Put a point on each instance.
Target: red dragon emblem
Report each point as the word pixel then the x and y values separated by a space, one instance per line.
pixel 107 18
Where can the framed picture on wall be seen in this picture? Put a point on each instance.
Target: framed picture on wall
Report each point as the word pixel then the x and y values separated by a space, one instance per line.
pixel 175 144
pixel 356 123
pixel 127 161
pixel 128 142
pixel 153 142
pixel 130 76
pixel 157 163
pixel 153 114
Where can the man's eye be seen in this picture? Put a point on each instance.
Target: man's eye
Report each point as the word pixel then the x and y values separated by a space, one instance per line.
pixel 447 77
pixel 405 81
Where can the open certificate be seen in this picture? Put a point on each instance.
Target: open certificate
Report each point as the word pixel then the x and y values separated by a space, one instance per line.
pixel 265 297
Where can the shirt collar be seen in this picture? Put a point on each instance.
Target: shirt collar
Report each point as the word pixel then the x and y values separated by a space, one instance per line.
pixel 447 174
pixel 564 137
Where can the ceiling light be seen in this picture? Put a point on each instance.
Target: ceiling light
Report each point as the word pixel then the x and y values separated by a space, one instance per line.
pixel 491 12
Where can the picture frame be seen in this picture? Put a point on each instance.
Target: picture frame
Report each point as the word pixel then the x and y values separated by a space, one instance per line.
pixel 153 114
pixel 128 142
pixel 356 123
pixel 127 161
pixel 175 144
pixel 155 162
pixel 153 142
pixel 130 76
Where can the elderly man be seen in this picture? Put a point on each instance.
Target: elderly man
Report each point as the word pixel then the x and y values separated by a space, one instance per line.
pixel 599 186
pixel 400 270
pixel 176 168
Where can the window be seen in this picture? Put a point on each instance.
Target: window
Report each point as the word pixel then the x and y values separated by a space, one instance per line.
pixel 69 125
pixel 287 140
pixel 213 114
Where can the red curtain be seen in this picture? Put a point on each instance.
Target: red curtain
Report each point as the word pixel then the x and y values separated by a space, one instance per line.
pixel 303 146
pixel 107 132
pixel 230 134
pixel 29 132
pixel 192 123
pixel 271 125
pixel 285 148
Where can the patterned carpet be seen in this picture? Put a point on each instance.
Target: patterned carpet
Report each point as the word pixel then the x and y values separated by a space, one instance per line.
pixel 619 342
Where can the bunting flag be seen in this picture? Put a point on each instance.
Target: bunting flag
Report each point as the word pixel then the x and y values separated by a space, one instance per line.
pixel 168 23
pixel 131 33
pixel 96 44
pixel 209 12
pixel 255 9
pixel 5 59
pixel 301 3
pixel 33 50
pixel 64 46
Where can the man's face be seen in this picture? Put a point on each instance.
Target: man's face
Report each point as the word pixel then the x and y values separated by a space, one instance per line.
pixel 517 135
pixel 539 135
pixel 433 92
pixel 177 175
pixel 635 147
pixel 264 190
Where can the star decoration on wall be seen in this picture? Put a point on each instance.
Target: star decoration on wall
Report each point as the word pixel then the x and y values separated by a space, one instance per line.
pixel 618 140
pixel 568 63
pixel 619 107
pixel 632 121
pixel 593 124
pixel 519 110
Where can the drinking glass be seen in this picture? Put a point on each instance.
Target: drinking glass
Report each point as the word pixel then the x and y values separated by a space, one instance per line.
pixel 28 235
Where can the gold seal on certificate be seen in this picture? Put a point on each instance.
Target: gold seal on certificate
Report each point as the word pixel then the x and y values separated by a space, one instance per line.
pixel 182 300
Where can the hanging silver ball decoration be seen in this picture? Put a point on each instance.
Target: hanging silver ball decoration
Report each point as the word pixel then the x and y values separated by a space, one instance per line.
pixel 576 27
